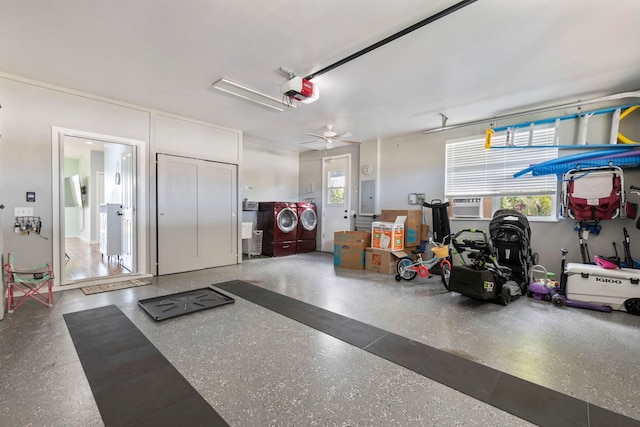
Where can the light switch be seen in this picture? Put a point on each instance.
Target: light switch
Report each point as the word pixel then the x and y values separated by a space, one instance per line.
pixel 23 211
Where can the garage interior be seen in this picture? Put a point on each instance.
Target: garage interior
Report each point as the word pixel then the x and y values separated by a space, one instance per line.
pixel 187 164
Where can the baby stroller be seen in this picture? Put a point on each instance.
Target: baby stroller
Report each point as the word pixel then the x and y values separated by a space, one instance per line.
pixel 511 237
pixel 480 276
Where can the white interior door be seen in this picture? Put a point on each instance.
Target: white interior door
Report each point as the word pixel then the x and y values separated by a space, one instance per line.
pixel 217 214
pixel 128 208
pixel 177 215
pixel 197 214
pixel 336 198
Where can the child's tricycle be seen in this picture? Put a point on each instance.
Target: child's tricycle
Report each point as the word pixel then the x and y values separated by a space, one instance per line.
pixel 408 268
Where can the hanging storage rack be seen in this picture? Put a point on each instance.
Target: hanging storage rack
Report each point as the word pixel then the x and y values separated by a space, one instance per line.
pixel 619 113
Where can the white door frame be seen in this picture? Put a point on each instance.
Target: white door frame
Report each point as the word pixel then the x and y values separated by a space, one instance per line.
pixel 57 183
pixel 128 218
pixel 347 196
pixel 95 205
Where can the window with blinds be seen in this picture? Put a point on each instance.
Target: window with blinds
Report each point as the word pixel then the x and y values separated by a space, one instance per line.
pixel 472 170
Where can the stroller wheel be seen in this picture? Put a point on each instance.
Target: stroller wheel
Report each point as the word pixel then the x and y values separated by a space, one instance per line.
pixel 505 296
pixel 523 288
pixel 535 258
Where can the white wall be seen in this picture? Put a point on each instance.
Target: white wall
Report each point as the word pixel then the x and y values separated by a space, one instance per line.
pixel 269 174
pixel 93 196
pixel 31 111
pixel 85 210
pixel 72 214
pixel 190 138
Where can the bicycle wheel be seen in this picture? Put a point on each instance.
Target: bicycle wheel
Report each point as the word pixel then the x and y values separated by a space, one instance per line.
pixel 403 269
pixel 445 273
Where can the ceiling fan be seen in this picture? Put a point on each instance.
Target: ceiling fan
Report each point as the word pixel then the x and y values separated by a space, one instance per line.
pixel 329 137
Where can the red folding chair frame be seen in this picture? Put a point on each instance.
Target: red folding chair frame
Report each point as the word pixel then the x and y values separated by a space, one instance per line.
pixel 597 206
pixel 30 281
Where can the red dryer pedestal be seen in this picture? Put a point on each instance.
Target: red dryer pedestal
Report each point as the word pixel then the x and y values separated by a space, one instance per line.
pixel 307 226
pixel 279 222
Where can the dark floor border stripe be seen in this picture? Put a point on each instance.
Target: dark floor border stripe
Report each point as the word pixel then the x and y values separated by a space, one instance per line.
pixel 531 402
pixel 132 382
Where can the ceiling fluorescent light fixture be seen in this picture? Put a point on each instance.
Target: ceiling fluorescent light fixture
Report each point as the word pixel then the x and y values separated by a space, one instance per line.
pixel 250 94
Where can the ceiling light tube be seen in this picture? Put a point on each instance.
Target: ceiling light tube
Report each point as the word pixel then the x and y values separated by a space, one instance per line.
pixel 250 94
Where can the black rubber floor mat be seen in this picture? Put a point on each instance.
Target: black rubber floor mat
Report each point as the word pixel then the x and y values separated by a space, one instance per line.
pixel 181 303
pixel 132 382
pixel 474 379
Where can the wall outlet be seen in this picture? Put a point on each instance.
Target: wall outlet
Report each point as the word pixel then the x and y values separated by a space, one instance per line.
pixel 23 211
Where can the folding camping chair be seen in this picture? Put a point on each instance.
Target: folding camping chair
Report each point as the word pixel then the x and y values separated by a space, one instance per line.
pixel 594 193
pixel 34 283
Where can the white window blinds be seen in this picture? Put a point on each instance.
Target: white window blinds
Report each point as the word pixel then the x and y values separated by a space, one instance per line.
pixel 472 170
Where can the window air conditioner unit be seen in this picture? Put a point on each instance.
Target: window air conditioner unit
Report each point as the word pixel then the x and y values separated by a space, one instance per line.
pixel 467 208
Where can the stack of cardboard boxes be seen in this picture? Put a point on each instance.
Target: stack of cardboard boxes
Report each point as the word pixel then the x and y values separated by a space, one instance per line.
pixel 348 248
pixel 391 238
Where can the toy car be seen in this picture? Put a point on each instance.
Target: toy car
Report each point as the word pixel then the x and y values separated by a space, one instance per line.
pixel 540 287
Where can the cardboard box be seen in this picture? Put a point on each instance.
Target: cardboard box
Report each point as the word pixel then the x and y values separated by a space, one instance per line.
pixel 424 232
pixel 382 261
pixel 388 235
pixel 412 225
pixel 348 248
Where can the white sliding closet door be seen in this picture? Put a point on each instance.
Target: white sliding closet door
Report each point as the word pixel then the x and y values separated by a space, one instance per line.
pixel 197 218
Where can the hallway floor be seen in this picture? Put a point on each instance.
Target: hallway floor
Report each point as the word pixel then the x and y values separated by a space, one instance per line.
pixel 257 367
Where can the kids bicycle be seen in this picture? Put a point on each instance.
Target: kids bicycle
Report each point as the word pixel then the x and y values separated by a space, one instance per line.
pixel 408 268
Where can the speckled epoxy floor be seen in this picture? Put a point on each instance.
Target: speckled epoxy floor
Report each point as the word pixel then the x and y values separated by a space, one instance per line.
pixel 256 367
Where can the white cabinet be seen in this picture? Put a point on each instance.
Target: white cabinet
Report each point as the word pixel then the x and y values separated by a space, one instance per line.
pixel 110 229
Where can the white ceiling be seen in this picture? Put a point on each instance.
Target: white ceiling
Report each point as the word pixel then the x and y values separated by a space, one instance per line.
pixel 489 58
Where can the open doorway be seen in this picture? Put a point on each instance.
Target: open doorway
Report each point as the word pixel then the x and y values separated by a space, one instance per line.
pixel 97 209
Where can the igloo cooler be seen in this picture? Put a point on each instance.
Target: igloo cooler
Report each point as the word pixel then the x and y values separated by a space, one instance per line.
pixel 600 286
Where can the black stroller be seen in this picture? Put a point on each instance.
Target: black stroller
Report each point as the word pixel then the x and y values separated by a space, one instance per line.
pixel 511 237
pixel 480 276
